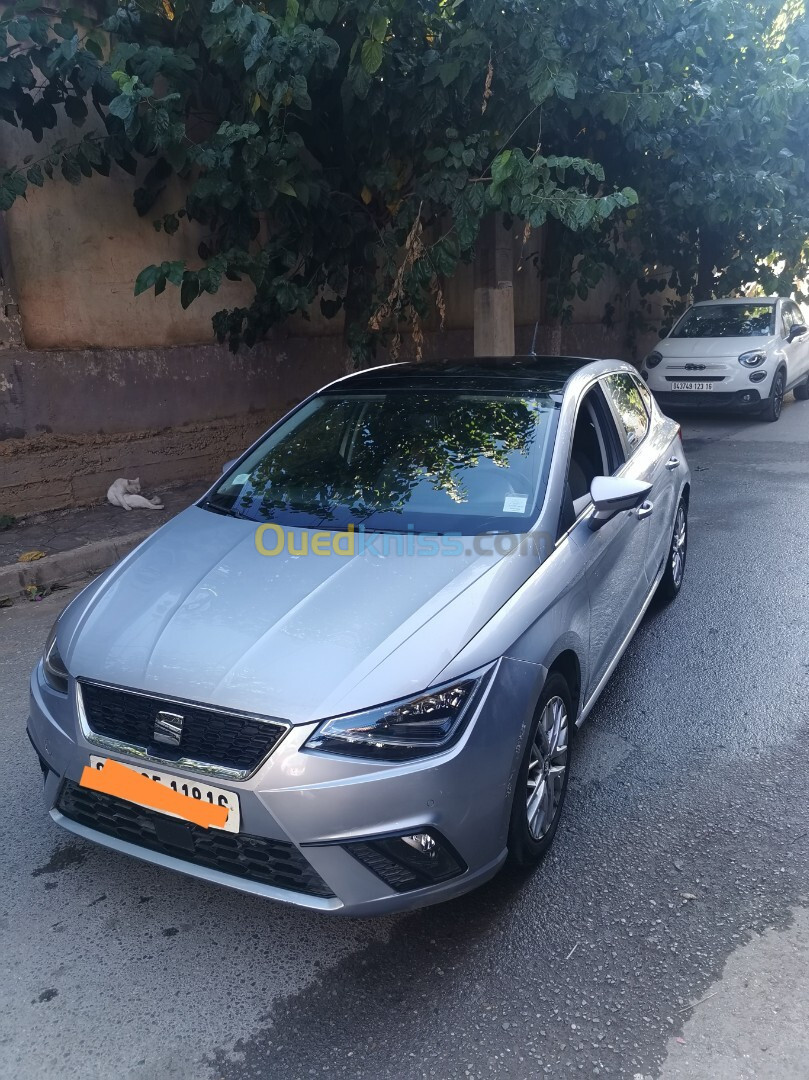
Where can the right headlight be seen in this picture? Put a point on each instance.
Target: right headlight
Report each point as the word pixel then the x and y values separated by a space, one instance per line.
pixel 403 730
pixel 755 358
pixel 653 359
pixel 53 666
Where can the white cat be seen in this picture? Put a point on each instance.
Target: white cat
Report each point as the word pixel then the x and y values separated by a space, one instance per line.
pixel 126 493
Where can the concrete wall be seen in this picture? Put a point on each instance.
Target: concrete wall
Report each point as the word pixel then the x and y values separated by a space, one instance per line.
pixel 71 422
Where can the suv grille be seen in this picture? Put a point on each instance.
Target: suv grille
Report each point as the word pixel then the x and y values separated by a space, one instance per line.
pixel 269 862
pixel 230 742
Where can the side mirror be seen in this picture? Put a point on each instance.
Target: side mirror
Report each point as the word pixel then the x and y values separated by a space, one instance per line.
pixel 613 494
pixel 228 466
pixel 797 330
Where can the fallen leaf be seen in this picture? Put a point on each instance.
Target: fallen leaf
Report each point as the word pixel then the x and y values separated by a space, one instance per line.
pixel 31 556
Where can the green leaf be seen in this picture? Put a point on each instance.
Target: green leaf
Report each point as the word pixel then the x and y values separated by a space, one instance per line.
pixel 71 170
pixel 146 279
pixel 35 176
pixel 379 27
pixel 299 92
pixel 565 84
pixel 122 106
pixel 502 167
pixel 449 72
pixel 371 56
pixel 218 6
pixel 189 290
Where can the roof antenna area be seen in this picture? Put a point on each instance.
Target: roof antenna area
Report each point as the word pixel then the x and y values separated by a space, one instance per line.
pixel 534 339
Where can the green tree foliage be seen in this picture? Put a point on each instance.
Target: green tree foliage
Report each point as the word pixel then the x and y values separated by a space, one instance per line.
pixel 346 151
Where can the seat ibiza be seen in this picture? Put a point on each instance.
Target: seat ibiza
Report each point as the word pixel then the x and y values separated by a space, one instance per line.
pixel 350 676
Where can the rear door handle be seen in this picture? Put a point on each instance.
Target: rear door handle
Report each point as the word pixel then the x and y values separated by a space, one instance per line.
pixel 673 463
pixel 644 510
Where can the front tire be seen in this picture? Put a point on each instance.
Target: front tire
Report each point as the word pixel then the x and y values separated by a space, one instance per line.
pixel 775 402
pixel 672 580
pixel 542 778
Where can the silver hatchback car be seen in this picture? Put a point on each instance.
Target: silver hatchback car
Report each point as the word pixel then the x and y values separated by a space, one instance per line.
pixel 349 677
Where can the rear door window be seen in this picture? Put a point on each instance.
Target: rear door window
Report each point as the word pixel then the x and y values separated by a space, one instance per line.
pixel 633 416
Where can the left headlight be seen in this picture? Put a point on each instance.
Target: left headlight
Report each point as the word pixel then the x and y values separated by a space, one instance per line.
pixel 56 675
pixel 403 730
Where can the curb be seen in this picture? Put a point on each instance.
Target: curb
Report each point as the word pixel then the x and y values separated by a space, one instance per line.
pixel 66 567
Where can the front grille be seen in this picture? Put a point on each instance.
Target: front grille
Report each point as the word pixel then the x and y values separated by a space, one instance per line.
pixel 689 376
pixel 228 741
pixel 269 862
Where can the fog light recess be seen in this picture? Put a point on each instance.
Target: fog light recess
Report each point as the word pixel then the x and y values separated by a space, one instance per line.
pixel 411 861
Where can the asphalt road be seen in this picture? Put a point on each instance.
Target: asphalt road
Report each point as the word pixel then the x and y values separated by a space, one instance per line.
pixel 685 837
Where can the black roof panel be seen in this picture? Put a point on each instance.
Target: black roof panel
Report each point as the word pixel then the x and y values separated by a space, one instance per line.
pixel 486 372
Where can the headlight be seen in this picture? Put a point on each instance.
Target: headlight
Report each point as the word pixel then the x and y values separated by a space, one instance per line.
pixel 653 359
pixel 403 730
pixel 56 675
pixel 752 359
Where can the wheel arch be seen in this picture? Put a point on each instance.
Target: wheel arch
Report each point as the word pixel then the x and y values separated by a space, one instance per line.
pixel 567 664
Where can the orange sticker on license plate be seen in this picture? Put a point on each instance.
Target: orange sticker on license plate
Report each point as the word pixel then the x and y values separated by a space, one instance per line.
pixel 120 781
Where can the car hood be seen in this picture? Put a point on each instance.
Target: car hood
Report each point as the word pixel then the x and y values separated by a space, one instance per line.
pixel 197 613
pixel 702 348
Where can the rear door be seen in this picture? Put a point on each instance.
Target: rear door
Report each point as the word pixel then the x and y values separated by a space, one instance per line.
pixel 648 440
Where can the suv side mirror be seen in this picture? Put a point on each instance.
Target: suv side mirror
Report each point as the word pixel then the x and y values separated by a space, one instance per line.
pixel 797 330
pixel 613 494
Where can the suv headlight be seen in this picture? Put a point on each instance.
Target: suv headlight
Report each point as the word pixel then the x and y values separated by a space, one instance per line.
pixel 653 359
pixel 53 666
pixel 753 359
pixel 403 730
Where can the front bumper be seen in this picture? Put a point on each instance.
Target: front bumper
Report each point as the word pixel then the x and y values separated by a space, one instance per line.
pixel 303 810
pixel 747 400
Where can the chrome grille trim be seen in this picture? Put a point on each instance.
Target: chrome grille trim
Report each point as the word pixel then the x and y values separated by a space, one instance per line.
pixel 203 768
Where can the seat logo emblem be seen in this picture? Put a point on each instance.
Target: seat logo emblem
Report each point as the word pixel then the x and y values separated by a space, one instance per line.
pixel 168 728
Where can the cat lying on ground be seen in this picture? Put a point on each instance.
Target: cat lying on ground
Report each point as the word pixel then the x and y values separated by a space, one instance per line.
pixel 126 493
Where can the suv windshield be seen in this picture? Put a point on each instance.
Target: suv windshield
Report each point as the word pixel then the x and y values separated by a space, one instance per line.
pixel 726 320
pixel 427 460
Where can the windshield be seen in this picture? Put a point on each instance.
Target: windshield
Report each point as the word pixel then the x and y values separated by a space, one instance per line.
pixel 726 320
pixel 426 460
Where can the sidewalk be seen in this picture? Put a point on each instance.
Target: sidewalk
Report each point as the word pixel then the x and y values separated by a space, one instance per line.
pixel 79 543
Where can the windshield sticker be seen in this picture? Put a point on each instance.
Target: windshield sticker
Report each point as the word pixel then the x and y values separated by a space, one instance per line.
pixel 515 504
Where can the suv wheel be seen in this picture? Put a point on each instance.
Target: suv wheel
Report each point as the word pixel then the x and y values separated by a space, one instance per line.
pixel 775 402
pixel 542 779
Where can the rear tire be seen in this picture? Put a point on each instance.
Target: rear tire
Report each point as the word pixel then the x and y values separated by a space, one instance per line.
pixel 775 402
pixel 672 580
pixel 542 779
pixel 801 391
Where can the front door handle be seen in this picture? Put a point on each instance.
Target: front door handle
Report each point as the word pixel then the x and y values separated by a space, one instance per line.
pixel 644 510
pixel 673 463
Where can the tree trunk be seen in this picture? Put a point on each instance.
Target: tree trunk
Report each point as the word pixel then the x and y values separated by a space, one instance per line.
pixel 709 252
pixel 494 290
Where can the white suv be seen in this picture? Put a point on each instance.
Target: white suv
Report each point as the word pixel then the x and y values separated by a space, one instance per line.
pixel 733 353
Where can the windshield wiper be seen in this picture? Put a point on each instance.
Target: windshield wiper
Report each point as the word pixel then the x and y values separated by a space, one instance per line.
pixel 209 504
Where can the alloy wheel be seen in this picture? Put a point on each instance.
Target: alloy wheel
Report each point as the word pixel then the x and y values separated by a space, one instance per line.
pixel 778 395
pixel 678 545
pixel 547 767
